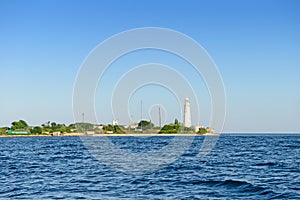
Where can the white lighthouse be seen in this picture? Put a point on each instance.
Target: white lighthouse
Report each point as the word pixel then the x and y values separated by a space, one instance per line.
pixel 187 121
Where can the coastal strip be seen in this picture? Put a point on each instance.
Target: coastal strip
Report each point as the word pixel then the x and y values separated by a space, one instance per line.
pixel 114 135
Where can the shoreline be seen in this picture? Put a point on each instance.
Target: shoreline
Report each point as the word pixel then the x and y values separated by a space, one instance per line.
pixel 114 135
pixel 140 135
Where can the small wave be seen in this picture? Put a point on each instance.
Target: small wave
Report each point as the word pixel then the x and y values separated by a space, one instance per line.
pixel 243 186
pixel 236 184
pixel 266 164
pixel 230 184
pixel 292 146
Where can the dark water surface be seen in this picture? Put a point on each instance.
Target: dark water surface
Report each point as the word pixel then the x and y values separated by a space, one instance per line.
pixel 251 167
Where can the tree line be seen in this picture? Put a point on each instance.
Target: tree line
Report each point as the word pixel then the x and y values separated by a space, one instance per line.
pixel 48 127
pixel 51 127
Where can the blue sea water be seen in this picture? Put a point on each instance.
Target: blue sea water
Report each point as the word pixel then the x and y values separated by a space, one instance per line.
pixel 239 167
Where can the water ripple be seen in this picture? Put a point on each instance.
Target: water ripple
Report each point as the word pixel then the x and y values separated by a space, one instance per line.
pixel 239 167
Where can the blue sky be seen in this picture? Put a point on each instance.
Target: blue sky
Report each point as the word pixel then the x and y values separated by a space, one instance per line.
pixel 255 44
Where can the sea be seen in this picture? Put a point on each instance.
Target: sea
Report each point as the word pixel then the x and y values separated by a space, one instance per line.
pixel 244 166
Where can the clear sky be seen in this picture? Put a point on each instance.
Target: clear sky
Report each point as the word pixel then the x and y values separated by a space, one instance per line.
pixel 255 44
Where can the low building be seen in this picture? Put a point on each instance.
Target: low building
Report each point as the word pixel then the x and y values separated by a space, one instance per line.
pixel 90 132
pixel 138 128
pixel 100 127
pixel 56 133
pixel 17 132
pixel 134 125
pixel 210 130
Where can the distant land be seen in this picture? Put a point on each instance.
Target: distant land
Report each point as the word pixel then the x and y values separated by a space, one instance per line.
pixel 144 127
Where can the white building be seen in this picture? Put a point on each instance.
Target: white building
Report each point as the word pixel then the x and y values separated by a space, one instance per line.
pixel 115 122
pixel 187 119
pixel 134 125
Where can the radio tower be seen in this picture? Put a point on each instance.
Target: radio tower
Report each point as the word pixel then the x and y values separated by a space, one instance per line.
pixel 187 121
pixel 159 117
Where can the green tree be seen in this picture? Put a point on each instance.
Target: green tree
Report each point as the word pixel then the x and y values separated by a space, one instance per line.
pixel 72 126
pixel 82 127
pixel 169 128
pixel 62 128
pixel 21 124
pixel 202 130
pixel 114 129
pixel 46 130
pixel 176 122
pixel 68 130
pixel 3 130
pixel 36 130
pixel 145 124
pixel 53 125
pixel 108 128
pixel 118 129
